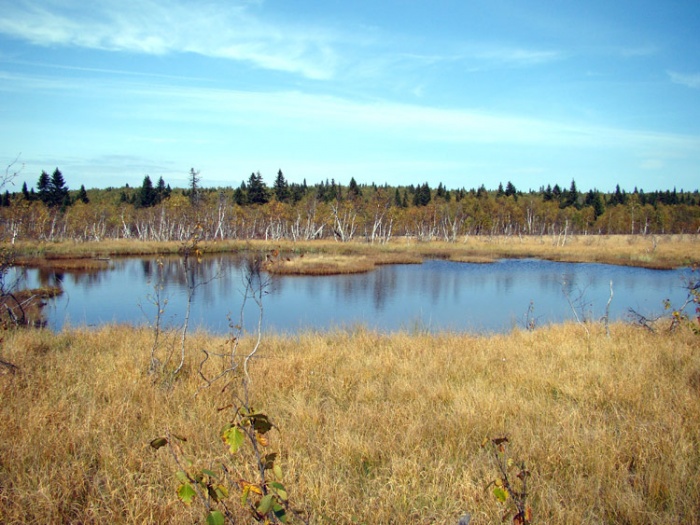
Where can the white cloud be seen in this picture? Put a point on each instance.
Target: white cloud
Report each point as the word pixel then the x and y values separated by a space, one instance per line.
pixel 691 80
pixel 156 102
pixel 145 26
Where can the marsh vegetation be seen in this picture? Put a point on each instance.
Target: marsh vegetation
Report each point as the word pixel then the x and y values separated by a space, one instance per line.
pixel 372 428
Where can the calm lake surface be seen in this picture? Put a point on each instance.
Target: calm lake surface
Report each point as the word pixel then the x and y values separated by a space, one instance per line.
pixel 436 295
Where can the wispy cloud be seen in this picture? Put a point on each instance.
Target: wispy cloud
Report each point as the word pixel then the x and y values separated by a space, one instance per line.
pixel 290 110
pixel 229 31
pixel 691 80
pixel 518 56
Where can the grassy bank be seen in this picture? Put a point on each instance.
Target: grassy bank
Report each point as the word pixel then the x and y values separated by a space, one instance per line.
pixel 374 429
pixel 653 251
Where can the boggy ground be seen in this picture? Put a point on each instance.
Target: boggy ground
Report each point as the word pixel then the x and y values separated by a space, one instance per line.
pixel 373 428
pixel 326 257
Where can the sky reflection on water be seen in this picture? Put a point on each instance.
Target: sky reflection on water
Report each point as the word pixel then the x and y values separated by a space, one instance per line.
pixel 435 295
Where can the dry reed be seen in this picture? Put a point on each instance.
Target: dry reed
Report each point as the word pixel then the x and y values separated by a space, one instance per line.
pixel 650 251
pixel 374 428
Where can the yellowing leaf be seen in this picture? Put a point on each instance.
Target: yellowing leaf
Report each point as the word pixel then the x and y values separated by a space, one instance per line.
pixel 250 487
pixel 501 494
pixel 278 471
pixel 262 440
pixel 280 490
pixel 186 493
pixel 221 492
pixel 234 437
pixel 245 494
pixel 265 504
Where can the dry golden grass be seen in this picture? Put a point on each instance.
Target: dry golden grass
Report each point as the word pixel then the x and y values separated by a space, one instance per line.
pixel 329 264
pixel 651 251
pixel 320 264
pixel 374 428
pixel 62 264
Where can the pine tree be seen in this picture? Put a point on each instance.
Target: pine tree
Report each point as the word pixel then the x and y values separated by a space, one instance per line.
pixel 147 194
pixel 43 188
pixel 281 188
pixel 570 198
pixel 240 195
pixel 162 191
pixel 59 190
pixel 82 195
pixel 257 191
pixel 194 179
pixel 354 190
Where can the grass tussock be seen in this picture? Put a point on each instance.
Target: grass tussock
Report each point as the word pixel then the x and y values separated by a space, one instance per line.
pixel 329 264
pixel 319 264
pixel 373 428
pixel 65 264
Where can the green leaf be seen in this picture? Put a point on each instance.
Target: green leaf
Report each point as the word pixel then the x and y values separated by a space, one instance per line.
pixel 234 437
pixel 280 512
pixel 501 494
pixel 278 471
pixel 159 442
pixel 215 517
pixel 221 491
pixel 209 473
pixel 182 476
pixel 265 505
pixel 186 493
pixel 280 490
pixel 217 493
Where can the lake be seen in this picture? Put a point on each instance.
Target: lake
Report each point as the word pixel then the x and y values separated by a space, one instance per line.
pixel 433 296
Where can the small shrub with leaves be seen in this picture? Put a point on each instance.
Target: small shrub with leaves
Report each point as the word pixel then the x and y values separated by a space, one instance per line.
pixel 261 495
pixel 253 472
pixel 510 487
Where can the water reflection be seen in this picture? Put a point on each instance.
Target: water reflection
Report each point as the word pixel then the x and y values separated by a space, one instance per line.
pixel 437 295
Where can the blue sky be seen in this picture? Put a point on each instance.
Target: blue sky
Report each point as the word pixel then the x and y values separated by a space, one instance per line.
pixel 463 92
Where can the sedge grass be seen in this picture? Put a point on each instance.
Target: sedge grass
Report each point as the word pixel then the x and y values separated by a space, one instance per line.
pixel 373 428
pixel 650 251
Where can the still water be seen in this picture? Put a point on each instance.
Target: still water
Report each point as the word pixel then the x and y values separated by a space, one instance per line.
pixel 435 295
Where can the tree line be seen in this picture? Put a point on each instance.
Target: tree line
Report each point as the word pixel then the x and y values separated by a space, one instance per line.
pixel 328 209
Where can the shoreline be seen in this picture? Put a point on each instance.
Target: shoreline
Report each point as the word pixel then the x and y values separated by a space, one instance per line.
pixel 323 257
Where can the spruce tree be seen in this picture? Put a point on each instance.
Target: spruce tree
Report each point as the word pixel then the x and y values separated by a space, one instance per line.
pixel 43 188
pixel 82 195
pixel 354 190
pixel 58 190
pixel 147 194
pixel 257 190
pixel 281 188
